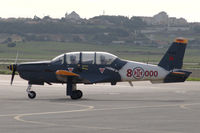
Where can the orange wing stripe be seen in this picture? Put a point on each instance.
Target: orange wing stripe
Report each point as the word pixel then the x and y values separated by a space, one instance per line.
pixel 66 73
pixel 178 73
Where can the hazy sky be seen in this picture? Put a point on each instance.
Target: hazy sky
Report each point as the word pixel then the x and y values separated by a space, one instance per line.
pixel 189 9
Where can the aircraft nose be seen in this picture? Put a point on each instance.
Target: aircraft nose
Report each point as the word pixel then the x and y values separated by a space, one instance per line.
pixel 11 67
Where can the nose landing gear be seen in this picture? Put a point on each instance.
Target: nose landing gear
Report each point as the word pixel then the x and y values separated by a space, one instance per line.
pixel 31 94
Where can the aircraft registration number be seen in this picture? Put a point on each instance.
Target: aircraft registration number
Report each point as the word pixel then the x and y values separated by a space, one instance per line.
pixel 140 73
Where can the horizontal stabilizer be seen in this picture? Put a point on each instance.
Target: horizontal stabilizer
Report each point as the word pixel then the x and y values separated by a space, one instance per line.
pixel 177 76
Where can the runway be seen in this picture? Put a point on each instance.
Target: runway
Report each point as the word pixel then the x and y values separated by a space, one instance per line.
pixel 143 108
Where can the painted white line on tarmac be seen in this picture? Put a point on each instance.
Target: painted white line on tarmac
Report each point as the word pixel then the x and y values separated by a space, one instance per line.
pixel 19 117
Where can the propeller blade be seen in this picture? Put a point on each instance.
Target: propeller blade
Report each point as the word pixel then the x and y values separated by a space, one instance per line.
pixel 13 73
pixel 13 68
pixel 16 58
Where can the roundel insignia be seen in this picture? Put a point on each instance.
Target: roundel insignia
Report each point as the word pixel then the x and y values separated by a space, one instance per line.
pixel 138 73
pixel 70 69
pixel 101 70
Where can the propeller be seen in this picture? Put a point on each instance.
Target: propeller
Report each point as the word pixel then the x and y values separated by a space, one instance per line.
pixel 13 73
pixel 13 68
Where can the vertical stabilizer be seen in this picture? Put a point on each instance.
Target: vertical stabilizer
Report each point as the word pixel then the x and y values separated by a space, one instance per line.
pixel 173 58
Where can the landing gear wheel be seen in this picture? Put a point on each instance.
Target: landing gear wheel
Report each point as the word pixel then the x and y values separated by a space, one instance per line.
pixel 77 94
pixel 32 94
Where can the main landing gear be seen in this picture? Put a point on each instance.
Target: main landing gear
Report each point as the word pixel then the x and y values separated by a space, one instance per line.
pixel 72 91
pixel 31 94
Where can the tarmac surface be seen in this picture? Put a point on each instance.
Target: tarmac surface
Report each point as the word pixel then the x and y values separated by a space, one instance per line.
pixel 144 108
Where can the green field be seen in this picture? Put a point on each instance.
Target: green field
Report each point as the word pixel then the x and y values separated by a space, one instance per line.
pixel 193 79
pixel 48 50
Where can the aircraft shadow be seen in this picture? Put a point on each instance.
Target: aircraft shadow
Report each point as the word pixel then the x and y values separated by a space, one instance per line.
pixel 66 100
pixel 115 100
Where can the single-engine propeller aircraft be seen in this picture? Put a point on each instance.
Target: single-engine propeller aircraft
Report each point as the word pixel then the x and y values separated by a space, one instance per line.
pixel 101 67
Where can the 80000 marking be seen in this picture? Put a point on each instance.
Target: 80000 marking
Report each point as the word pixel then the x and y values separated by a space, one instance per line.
pixel 138 73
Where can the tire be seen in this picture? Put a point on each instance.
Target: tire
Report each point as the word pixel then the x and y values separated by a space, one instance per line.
pixel 77 94
pixel 32 94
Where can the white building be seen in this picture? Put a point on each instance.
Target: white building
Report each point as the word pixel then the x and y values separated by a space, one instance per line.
pixel 72 16
pixel 161 18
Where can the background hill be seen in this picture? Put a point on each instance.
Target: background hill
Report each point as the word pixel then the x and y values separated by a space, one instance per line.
pixel 158 30
pixel 137 38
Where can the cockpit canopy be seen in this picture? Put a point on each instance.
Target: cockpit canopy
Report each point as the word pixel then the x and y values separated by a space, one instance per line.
pixel 100 58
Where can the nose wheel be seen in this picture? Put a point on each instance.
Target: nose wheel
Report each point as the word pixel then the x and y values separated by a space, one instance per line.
pixel 31 94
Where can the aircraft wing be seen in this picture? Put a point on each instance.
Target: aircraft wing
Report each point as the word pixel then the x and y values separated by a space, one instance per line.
pixel 66 73
pixel 86 78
